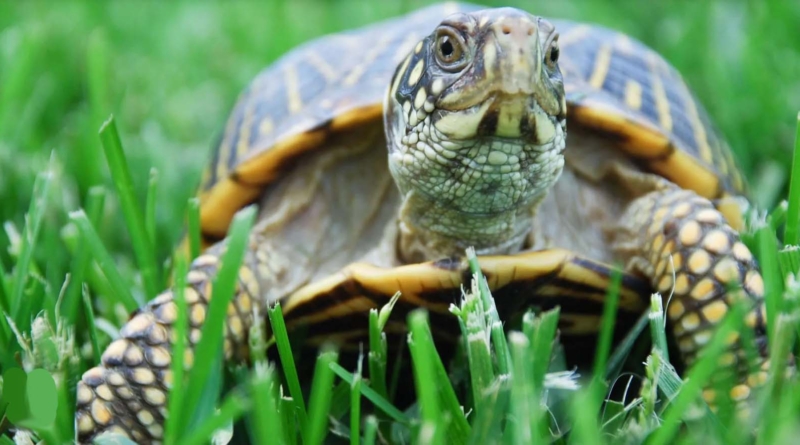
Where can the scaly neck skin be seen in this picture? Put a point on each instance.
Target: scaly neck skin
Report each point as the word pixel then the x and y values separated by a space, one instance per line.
pixel 477 193
pixel 429 231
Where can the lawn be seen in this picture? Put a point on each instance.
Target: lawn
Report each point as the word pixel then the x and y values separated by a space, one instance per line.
pixel 170 73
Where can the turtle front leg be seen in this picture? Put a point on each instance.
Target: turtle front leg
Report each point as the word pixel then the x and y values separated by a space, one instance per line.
pixel 688 251
pixel 127 392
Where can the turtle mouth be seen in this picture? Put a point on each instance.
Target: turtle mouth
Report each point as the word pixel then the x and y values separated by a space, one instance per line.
pixel 500 116
pixel 487 160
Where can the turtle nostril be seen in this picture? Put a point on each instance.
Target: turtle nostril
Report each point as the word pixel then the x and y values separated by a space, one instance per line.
pixel 506 29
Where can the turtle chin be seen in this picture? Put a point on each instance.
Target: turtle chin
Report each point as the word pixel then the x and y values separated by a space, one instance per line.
pixel 463 186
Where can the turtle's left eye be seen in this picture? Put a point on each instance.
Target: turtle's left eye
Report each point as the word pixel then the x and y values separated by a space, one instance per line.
pixel 450 49
pixel 553 53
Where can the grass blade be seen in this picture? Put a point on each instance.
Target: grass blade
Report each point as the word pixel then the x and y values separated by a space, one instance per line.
pixel 792 233
pixel 267 427
pixel 617 359
pixel 476 336
pixel 609 320
pixel 355 406
pixel 431 423
pixel 95 202
pixel 104 260
pixel 372 395
pixel 289 421
pixel 209 348
pixel 90 324
pixel 142 248
pixel 658 326
pixel 287 363
pixel 698 376
pixel 30 234
pixel 233 407
pixel 370 430
pixel 321 392
pixel 487 422
pixel 778 392
pixel 174 427
pixel 150 207
pixel 97 71
pixel 496 325
pixel 542 337
pixel 194 227
pixel 522 391
pixel 770 271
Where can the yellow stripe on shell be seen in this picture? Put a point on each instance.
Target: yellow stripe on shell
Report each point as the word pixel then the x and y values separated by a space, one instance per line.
pixel 633 94
pixel 321 65
pixel 659 95
pixel 375 50
pixel 265 127
pixel 602 62
pixel 243 144
pixel 224 150
pixel 574 35
pixel 294 103
pixel 699 129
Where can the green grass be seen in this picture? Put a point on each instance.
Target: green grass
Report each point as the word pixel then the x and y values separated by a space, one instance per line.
pixel 91 216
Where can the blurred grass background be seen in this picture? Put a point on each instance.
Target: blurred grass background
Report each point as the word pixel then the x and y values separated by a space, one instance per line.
pixel 174 71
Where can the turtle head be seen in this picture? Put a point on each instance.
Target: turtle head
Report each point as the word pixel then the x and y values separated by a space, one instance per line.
pixel 475 122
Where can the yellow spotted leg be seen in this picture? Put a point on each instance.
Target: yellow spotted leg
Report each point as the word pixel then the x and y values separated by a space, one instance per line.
pixel 127 392
pixel 692 256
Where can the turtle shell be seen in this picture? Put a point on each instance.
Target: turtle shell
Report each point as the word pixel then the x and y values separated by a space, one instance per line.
pixel 615 86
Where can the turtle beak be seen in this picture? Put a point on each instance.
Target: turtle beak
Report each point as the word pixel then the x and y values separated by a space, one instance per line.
pixel 514 62
pixel 518 54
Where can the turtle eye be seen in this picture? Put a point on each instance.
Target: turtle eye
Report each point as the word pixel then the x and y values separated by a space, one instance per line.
pixel 449 49
pixel 553 53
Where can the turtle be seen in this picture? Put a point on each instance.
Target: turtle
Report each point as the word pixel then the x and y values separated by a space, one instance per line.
pixel 561 153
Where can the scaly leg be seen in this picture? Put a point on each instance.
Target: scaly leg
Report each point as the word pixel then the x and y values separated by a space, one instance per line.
pixel 127 392
pixel 683 244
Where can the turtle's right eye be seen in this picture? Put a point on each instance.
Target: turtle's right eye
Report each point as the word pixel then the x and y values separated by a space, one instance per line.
pixel 450 49
pixel 552 52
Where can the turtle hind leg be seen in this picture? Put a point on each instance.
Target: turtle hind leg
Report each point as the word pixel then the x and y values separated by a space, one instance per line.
pixel 127 392
pixel 696 261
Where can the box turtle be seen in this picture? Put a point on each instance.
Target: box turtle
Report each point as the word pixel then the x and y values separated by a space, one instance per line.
pixel 377 156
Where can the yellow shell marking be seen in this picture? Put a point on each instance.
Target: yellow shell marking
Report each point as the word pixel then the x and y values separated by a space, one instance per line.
pixel 601 63
pixel 265 126
pixel 321 65
pixel 292 89
pixel 662 104
pixel 698 128
pixel 633 94
pixel 359 70
pixel 576 34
